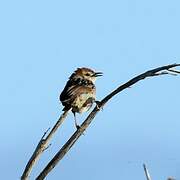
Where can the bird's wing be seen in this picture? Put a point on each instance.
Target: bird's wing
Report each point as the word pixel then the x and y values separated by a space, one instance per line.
pixel 71 91
pixel 68 92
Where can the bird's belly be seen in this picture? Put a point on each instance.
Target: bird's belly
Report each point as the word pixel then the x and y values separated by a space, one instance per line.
pixel 83 102
pixel 84 109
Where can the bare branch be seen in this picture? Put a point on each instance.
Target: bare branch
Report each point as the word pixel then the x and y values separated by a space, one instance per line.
pixel 148 177
pixel 174 71
pixel 61 153
pixel 42 146
pixel 171 178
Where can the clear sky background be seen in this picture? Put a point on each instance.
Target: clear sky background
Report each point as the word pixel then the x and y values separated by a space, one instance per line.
pixel 43 42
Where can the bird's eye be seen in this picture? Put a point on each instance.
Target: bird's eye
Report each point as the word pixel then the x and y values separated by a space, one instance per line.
pixel 87 74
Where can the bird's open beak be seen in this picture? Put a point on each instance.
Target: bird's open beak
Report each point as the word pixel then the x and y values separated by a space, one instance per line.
pixel 96 74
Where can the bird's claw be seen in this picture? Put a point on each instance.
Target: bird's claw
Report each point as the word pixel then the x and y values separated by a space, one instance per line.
pixel 78 127
pixel 98 105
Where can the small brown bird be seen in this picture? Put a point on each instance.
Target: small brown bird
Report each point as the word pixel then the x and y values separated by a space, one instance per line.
pixel 79 93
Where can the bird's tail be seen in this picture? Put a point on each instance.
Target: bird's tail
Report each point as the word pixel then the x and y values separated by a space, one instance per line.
pixel 66 108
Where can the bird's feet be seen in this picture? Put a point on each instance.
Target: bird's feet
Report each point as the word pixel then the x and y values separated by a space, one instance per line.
pixel 98 105
pixel 78 127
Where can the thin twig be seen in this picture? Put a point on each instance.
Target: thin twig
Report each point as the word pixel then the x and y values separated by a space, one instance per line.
pixel 148 177
pixel 174 71
pixel 171 178
pixel 42 146
pixel 61 153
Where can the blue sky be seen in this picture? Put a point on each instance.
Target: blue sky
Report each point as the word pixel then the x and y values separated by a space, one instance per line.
pixel 43 42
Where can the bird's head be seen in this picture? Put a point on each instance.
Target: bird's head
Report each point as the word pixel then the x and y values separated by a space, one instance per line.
pixel 87 74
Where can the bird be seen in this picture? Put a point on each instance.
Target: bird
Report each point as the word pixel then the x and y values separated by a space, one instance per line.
pixel 79 93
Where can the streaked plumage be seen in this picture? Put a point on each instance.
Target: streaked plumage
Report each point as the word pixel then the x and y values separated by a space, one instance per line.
pixel 80 91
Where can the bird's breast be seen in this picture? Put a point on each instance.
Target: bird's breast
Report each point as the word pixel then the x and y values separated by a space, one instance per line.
pixel 83 102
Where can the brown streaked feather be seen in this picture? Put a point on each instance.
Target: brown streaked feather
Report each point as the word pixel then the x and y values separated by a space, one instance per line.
pixel 75 93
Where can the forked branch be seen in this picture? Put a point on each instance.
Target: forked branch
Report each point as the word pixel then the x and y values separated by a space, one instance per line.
pixel 42 146
pixel 61 153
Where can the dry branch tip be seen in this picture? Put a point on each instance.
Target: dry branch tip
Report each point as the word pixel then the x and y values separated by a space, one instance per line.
pixel 148 177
